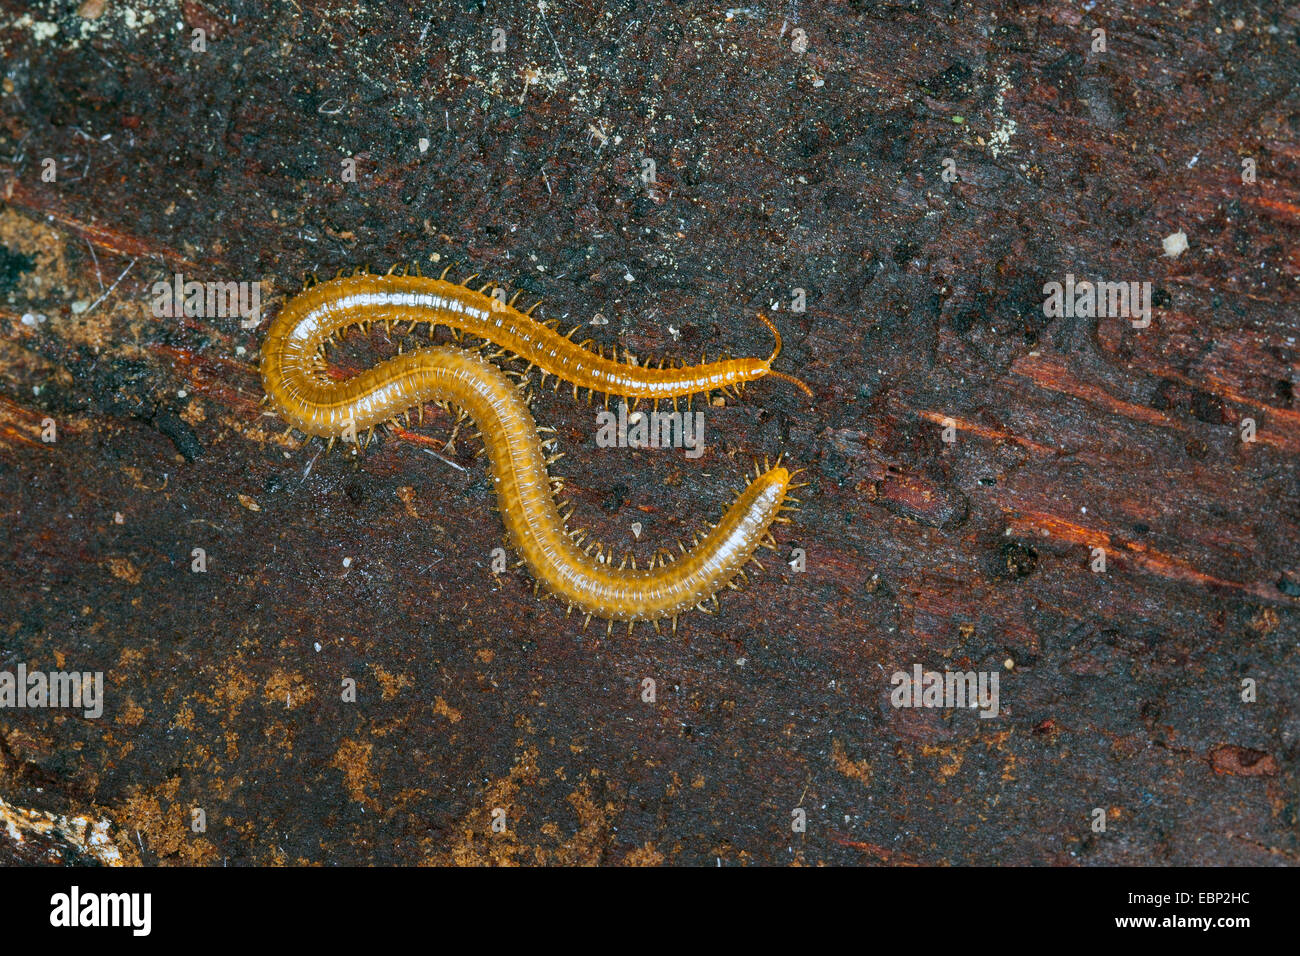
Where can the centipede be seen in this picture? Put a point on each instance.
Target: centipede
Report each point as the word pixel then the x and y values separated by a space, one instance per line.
pixel 580 572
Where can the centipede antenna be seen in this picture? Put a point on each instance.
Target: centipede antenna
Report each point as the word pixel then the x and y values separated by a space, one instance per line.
pixel 775 334
pixel 797 383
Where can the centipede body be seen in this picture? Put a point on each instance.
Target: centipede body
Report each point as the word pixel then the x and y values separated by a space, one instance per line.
pixel 296 383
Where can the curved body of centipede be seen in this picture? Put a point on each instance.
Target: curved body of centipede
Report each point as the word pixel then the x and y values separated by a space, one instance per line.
pixel 298 385
pixel 313 317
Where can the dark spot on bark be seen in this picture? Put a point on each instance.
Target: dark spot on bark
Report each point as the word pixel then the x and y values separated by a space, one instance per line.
pixel 182 436
pixel 905 252
pixel 13 265
pixel 1289 584
pixel 616 499
pixel 1016 560
pixel 950 84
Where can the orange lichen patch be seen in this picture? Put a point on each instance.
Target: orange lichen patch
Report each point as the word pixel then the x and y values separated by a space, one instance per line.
pixel 390 685
pixel 406 495
pixel 131 714
pixel 123 570
pixel 138 481
pixel 475 843
pixel 353 758
pixel 287 690
pixel 645 855
pixel 444 709
pixel 231 688
pixel 184 718
pixel 859 770
pixel 955 756
pixel 163 820
pixel 586 847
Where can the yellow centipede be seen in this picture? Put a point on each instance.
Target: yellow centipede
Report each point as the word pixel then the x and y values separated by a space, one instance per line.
pixel 295 377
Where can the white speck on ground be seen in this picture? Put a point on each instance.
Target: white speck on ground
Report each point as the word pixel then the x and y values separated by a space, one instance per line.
pixel 1005 127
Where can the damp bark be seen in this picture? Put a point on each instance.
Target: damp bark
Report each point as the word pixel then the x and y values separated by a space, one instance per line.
pixel 661 173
